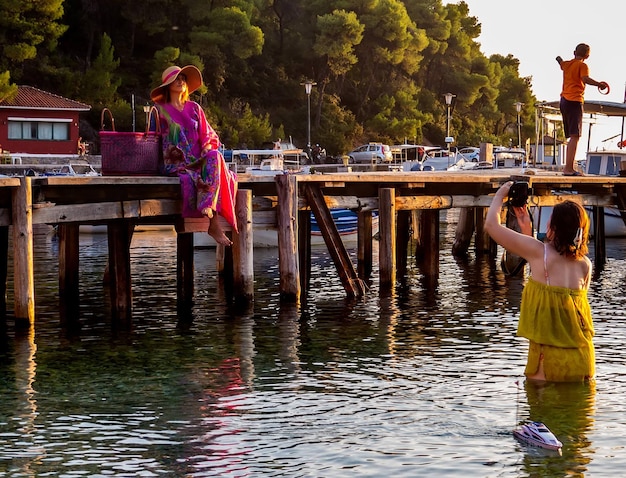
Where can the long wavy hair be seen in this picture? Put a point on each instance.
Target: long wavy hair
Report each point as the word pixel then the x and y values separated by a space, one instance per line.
pixel 568 230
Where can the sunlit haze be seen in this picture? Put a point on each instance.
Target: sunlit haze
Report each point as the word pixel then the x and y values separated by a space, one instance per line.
pixel 537 31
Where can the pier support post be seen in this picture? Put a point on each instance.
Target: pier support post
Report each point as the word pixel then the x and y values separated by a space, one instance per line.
pixel 23 273
pixel 430 240
pixel 69 291
pixel 464 232
pixel 4 271
pixel 599 238
pixel 402 243
pixel 184 271
pixel 304 248
pixel 243 263
pixel 387 243
pixel 287 221
pixel 364 244
pixel 119 237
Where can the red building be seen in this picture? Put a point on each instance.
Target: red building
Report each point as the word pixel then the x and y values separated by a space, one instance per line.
pixel 37 122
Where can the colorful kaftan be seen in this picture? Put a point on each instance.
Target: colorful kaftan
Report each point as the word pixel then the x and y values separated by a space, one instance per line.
pixel 190 151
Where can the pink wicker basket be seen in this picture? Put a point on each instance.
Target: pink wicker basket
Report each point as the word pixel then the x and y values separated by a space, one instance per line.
pixel 130 154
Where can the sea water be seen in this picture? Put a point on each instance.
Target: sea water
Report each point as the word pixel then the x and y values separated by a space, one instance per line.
pixel 424 381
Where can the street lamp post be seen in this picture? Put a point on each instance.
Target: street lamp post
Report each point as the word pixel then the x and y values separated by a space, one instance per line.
pixel 449 139
pixel 308 85
pixel 518 108
pixel 146 110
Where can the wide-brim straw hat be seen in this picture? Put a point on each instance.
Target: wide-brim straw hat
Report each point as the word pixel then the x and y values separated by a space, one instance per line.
pixel 194 80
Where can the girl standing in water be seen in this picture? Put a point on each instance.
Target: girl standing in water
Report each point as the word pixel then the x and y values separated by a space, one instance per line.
pixel 555 315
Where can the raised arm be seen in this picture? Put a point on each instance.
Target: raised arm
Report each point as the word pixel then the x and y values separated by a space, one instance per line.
pixel 523 245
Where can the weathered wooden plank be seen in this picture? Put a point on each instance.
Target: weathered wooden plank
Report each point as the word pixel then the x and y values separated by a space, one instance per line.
pixel 462 201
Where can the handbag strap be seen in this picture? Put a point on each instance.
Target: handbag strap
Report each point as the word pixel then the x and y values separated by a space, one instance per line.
pixel 154 110
pixel 106 110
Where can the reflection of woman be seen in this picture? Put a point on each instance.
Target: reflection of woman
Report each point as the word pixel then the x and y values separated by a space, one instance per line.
pixel 190 151
pixel 555 314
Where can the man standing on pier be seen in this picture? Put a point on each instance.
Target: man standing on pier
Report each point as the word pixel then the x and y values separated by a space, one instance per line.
pixel 575 77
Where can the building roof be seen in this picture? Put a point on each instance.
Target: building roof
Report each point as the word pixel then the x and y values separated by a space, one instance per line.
pixel 32 98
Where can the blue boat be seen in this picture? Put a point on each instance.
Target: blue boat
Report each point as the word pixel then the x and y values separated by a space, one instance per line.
pixel 346 221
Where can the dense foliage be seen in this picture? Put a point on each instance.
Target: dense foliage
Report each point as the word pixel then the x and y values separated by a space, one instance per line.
pixel 381 67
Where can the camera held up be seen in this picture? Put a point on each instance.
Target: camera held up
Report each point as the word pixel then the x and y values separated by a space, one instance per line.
pixel 518 194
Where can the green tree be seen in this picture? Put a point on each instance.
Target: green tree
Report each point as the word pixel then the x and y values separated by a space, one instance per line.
pixel 100 82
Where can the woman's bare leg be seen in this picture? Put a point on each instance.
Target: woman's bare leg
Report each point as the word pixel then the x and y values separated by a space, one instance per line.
pixel 539 374
pixel 217 233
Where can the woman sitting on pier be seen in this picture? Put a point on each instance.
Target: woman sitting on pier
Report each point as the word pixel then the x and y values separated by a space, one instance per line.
pixel 555 314
pixel 190 151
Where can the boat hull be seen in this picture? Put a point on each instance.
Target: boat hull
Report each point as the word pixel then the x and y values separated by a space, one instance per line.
pixel 345 220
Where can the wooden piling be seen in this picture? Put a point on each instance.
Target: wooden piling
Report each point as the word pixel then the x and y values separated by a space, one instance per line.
pixel 69 293
pixel 387 244
pixel 184 270
pixel 430 239
pixel 364 244
pixel 287 192
pixel 243 259
pixel 304 247
pixel 118 233
pixel 4 271
pixel 24 276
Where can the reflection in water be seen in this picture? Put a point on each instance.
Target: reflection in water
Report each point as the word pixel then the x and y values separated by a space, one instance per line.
pixel 417 382
pixel 568 410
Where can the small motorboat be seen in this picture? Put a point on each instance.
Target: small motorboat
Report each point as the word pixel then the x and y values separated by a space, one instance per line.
pixel 537 434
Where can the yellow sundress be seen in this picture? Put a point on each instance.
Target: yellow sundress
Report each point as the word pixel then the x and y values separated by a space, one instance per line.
pixel 558 323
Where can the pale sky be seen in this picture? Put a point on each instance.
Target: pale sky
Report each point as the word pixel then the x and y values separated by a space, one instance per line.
pixel 537 31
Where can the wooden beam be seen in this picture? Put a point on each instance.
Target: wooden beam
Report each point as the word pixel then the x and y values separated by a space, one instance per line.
pixel 447 202
pixel 347 273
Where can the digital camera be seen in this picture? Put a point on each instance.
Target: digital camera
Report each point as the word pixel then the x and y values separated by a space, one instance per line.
pixel 518 194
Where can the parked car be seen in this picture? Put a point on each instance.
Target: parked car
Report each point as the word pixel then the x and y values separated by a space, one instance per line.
pixel 469 154
pixel 371 153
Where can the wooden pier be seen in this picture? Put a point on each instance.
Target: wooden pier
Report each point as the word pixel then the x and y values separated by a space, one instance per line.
pixel 285 202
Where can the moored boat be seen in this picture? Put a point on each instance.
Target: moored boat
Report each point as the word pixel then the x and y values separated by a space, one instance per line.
pixel 346 221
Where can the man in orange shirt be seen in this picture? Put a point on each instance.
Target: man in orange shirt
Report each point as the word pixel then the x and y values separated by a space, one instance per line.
pixel 575 77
